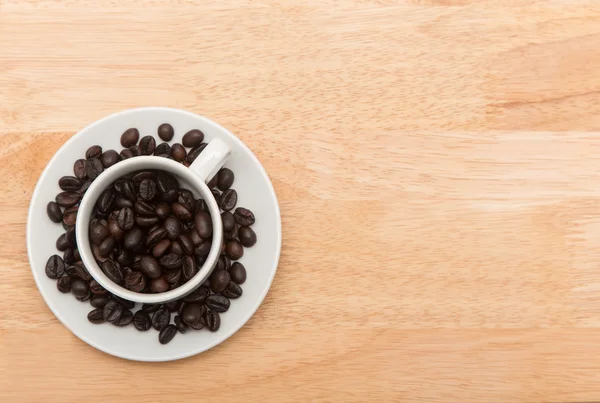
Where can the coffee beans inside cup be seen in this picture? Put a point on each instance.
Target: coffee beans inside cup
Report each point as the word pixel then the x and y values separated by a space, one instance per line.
pixel 150 235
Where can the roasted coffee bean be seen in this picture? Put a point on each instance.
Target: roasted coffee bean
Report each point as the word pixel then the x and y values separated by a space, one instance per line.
pixel 98 301
pixel 192 313
pixel 98 233
pixel 94 168
pixel 139 176
pixel 67 199
pixel 150 267
pixel 234 250
pixel 84 187
pixel 217 195
pixel 186 244
pixel 170 196
pixel 70 270
pixel 126 188
pixel 135 281
pixel 237 271
pixel 228 200
pixel 203 224
pixel 161 318
pixel 130 137
pixel 162 210
pixel 105 201
pixel 212 320
pixel 182 327
pixel 227 220
pixel 106 247
pixel 133 239
pixel 54 212
pixel 125 319
pixel 69 183
pixel 81 272
pixel 219 280
pixel 195 152
pixel 167 334
pixel 174 276
pixel 232 291
pixel 70 235
pixel 178 152
pixel 115 230
pixel 243 216
pixel 96 316
pixel 135 150
pixel 145 209
pixel 201 206
pixel 96 288
pixel 166 132
pixel 189 268
pixel 159 285
pixel 193 138
pixel 79 288
pixel 64 284
pixel 146 222
pixel 125 154
pixel 125 257
pixel 199 295
pixel 247 236
pixel 160 248
pixel 170 261
pixel 142 321
pixel 125 219
pixel 151 308
pixel 162 149
pixel 80 169
pixel 61 243
pixel 166 182
pixel 113 271
pixel 124 303
pixel 203 249
pixel 225 178
pixel 121 201
pixel 181 308
pixel 112 311
pixel 147 189
pixel 156 236
pixel 176 248
pixel 196 240
pixel 76 256
pixel 93 152
pixel 173 226
pixel 186 199
pixel 109 158
pixel 55 267
pixel 181 212
pixel 147 145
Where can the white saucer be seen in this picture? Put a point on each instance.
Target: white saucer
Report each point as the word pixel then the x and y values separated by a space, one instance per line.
pixel 255 192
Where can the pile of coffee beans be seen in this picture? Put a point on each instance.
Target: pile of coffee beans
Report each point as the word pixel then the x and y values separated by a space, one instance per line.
pixel 150 235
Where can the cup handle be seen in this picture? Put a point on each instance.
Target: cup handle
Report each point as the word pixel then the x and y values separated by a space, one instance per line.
pixel 211 159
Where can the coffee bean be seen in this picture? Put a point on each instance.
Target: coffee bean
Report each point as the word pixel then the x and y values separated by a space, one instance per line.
pixel 195 152
pixel 247 236
pixel 166 132
pixel 161 318
pixel 228 200
pixel 70 235
pixel 159 285
pixel 98 233
pixel 106 247
pixel 189 268
pixel 237 271
pixel 225 178
pixel 147 189
pixel 113 271
pixel 234 250
pixel 96 288
pixel 125 319
pixel 203 224
pixel 162 210
pixel 199 295
pixel 219 280
pixel 178 152
pixel 192 313
pixel 217 195
pixel 135 150
pixel 227 220
pixel 80 169
pixel 231 235
pixel 64 284
pixel 193 138
pixel 69 256
pixel 98 301
pixel 162 149
pixel 167 334
pixel 96 316
pixel 93 152
pixel 109 158
pixel 121 201
pixel 150 267
pixel 196 240
pixel 54 212
pixel 203 249
pixel 217 303
pixel 173 227
pixel 124 303
pixel 201 206
pixel 61 243
pixel 145 209
pixel 141 321
pixel 147 145
pixel 174 276
pixel 126 188
pixel 84 187
pixel 243 216
pixel 125 257
pixel 93 168
pixel 130 137
pixel 156 236
pixel 112 311
pixel 232 291
pixel 115 230
pixel 181 212
pixel 69 183
pixel 146 222
pixel 135 281
pixel 80 289
pixel 182 327
pixel 151 308
pixel 55 267
pixel 213 182
pixel 125 154
pixel 170 261
pixel 125 219
pixel 133 239
pixel 186 244
pixel 81 272
pixel 169 196
pixel 105 201
pixel 70 215
pixel 212 320
pixel 67 199
pixel 160 248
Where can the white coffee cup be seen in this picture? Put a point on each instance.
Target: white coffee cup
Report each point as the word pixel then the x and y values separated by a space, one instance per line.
pixel 206 165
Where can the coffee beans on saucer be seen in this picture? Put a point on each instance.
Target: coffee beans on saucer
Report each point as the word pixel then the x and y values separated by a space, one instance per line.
pixel 149 234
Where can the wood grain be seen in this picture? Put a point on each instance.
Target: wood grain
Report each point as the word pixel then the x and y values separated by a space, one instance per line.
pixel 437 168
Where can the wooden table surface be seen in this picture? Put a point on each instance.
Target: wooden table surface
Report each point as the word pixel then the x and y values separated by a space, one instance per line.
pixel 438 168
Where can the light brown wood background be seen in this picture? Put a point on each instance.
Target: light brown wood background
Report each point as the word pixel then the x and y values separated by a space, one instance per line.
pixel 437 165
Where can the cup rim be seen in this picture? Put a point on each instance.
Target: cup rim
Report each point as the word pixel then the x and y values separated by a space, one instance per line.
pixel 107 177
